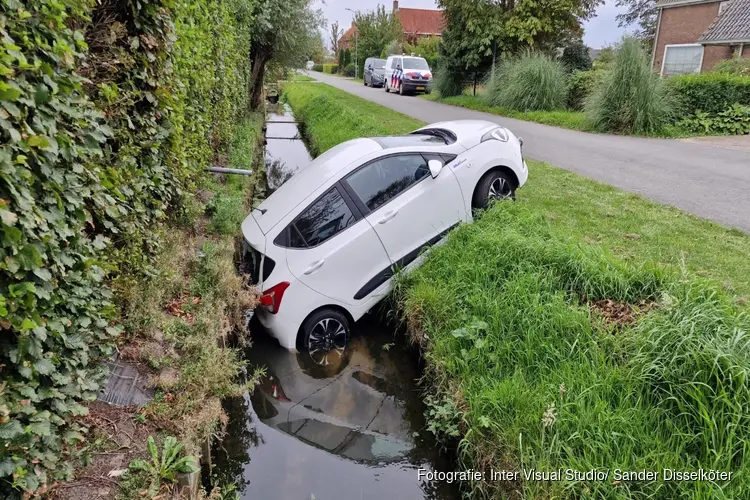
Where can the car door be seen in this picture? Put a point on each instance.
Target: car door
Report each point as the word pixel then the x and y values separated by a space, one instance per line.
pixel 408 208
pixel 332 249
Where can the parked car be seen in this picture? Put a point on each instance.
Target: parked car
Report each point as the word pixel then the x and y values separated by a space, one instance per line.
pixel 374 72
pixel 309 65
pixel 324 247
pixel 407 74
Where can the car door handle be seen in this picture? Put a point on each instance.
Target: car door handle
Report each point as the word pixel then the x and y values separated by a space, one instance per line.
pixel 388 216
pixel 314 266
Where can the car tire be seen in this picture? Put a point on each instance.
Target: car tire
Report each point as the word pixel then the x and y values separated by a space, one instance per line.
pixel 401 90
pixel 493 186
pixel 364 80
pixel 385 87
pixel 326 332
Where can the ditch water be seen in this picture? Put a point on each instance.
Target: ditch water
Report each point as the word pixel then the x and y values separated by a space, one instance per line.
pixel 348 425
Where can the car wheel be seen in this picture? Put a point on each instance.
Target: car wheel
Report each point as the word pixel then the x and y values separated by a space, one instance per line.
pixel 495 185
pixel 324 335
pixel 364 80
pixel 401 90
pixel 385 87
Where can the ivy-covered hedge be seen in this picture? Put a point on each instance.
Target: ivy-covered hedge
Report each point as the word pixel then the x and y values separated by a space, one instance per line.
pixel 109 111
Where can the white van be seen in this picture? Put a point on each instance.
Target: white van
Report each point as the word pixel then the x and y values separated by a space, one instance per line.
pixel 407 74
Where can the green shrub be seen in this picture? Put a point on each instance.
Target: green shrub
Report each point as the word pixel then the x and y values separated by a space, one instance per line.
pixel 350 69
pixel 631 97
pixel 582 85
pixel 733 121
pixel 448 81
pixel 330 68
pixel 317 67
pixel 91 169
pixel 532 82
pixel 576 57
pixel 734 66
pixel 711 93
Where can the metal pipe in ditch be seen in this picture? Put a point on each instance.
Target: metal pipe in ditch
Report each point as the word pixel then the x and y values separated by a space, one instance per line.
pixel 222 170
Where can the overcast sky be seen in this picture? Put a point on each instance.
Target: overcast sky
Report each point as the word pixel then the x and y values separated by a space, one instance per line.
pixel 599 32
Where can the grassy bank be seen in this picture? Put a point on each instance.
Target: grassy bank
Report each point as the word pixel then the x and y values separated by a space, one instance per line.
pixel 574 120
pixel 629 226
pixel 178 324
pixel 554 340
pixel 332 116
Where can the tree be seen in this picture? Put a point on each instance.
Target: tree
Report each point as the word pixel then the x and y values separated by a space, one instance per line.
pixel 376 30
pixel 642 12
pixel 474 28
pixel 336 33
pixel 576 56
pixel 317 50
pixel 284 32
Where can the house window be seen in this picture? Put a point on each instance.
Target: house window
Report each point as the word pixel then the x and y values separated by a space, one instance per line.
pixel 722 6
pixel 681 59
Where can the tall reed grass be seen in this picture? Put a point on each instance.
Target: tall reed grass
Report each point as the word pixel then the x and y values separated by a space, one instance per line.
pixel 531 82
pixel 631 98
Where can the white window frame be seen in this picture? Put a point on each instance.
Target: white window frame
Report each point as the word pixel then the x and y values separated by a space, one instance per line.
pixel 664 57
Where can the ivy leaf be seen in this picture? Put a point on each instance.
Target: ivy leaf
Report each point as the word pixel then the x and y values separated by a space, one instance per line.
pixel 6 467
pixel 39 428
pixel 44 366
pixel 39 141
pixel 7 217
pixel 43 274
pixel 10 430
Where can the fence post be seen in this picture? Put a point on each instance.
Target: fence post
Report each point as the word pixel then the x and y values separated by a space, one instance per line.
pixel 475 84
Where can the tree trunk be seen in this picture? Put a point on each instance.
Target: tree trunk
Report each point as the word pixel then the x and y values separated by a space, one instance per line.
pixel 260 58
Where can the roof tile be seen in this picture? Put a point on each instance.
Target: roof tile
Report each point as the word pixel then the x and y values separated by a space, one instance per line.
pixel 421 21
pixel 732 25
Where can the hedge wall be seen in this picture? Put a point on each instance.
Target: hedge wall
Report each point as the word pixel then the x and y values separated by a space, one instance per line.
pixel 711 93
pixel 109 112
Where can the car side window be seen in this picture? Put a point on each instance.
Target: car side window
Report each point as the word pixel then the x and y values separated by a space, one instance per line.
pixel 325 218
pixel 384 179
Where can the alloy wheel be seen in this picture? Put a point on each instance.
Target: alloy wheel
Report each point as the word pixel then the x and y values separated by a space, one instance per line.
pixel 327 341
pixel 500 189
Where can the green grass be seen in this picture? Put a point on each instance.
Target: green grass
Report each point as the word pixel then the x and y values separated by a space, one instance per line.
pixel 529 375
pixel 630 226
pixel 574 120
pixel 298 77
pixel 332 116
pixel 526 372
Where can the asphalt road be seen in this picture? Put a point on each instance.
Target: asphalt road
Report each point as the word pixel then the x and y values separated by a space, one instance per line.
pixel 704 180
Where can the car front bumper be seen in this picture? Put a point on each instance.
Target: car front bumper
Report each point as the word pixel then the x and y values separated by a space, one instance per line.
pixel 421 86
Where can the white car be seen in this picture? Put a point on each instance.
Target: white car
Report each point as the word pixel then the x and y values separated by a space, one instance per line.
pixel 407 75
pixel 309 65
pixel 324 246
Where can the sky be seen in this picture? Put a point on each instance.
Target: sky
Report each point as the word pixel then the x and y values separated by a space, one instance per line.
pixel 599 32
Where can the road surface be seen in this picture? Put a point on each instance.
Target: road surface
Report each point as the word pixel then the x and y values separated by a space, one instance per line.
pixel 704 180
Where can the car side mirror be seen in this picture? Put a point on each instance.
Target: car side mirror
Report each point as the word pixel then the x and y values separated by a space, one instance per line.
pixel 435 167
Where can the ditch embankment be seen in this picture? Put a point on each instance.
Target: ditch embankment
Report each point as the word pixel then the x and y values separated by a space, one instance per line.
pixel 561 338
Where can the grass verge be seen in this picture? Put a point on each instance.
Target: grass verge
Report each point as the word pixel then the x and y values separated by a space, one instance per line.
pixel 553 340
pixel 178 325
pixel 574 120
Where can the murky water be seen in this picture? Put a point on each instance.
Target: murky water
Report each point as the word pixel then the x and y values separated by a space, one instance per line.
pixel 285 150
pixel 350 429
pixel 347 425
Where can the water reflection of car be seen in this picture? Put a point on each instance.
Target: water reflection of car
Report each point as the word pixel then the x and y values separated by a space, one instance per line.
pixel 326 245
pixel 343 405
pixel 374 72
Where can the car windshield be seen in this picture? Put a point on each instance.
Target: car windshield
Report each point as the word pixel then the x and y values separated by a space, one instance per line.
pixel 415 63
pixel 378 64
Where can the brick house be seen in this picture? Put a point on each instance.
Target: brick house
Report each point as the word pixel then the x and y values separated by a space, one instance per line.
pixel 693 35
pixel 416 23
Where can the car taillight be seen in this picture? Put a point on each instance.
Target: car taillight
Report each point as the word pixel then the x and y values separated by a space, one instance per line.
pixel 271 298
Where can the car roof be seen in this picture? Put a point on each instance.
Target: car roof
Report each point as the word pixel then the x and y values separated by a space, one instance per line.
pixel 309 178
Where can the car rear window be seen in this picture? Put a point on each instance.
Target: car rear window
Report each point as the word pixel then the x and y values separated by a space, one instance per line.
pixel 322 220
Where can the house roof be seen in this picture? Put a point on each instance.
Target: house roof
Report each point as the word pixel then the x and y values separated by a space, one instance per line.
pixel 348 34
pixel 733 25
pixel 421 21
pixel 663 4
